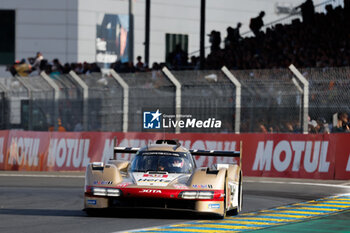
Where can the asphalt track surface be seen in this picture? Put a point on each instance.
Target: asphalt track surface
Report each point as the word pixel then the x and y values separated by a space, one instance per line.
pixel 53 202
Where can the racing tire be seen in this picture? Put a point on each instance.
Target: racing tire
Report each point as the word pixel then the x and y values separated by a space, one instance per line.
pixel 92 212
pixel 223 215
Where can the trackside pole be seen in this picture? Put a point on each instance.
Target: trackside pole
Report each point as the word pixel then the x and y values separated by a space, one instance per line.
pixel 114 145
pixel 125 87
pixel 85 88
pixel 238 86
pixel 56 96
pixel 305 83
pixel 177 85
pixel 240 153
pixel 296 84
pixel 301 91
pixel 202 35
pixel 30 102
pixel 131 32
pixel 5 114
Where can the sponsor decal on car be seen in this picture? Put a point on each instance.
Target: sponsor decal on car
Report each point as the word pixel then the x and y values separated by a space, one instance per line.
pixel 151 191
pixel 124 184
pixel 103 182
pixel 202 186
pixel 155 175
pixel 91 202
pixel 151 180
pixel 180 186
pixel 141 179
pixel 214 206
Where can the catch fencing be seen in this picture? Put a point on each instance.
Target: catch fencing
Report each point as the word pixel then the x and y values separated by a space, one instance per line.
pixel 276 100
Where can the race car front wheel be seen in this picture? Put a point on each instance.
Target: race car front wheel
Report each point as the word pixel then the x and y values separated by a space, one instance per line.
pixel 93 212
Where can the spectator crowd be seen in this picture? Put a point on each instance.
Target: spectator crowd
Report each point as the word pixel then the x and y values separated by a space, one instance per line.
pixel 35 65
pixel 319 40
pixel 320 125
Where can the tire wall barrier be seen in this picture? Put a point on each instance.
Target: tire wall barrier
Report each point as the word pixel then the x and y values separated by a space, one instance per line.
pixel 313 156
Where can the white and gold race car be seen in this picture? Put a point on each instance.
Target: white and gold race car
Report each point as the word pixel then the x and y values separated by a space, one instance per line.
pixel 164 175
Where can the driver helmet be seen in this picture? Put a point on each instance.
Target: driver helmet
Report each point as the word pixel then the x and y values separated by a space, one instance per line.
pixel 178 162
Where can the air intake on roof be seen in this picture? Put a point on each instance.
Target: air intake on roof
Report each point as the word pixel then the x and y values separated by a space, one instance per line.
pixel 169 142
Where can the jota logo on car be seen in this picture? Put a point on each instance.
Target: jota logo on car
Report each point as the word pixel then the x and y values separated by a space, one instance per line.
pixel 150 191
pixel 315 156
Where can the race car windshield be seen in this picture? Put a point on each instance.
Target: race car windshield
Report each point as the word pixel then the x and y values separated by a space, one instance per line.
pixel 162 161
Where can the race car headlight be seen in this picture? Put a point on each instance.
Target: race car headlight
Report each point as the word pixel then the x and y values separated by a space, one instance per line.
pixel 106 192
pixel 113 192
pixel 188 195
pixel 99 191
pixel 197 195
pixel 205 195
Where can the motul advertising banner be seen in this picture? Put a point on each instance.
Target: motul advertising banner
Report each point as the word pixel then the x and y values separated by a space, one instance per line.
pixel 342 156
pixel 317 156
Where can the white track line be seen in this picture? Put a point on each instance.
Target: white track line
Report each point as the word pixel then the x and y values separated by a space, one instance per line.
pixel 42 175
pixel 298 183
pixel 147 228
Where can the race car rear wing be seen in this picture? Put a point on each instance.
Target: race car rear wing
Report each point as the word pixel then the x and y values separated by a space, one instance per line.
pixel 133 150
pixel 176 144
pixel 216 153
pixel 130 150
